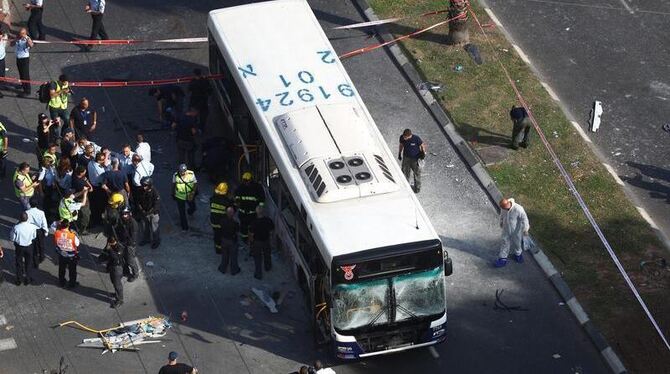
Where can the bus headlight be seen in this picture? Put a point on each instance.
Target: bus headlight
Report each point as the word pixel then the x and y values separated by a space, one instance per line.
pixel 438 333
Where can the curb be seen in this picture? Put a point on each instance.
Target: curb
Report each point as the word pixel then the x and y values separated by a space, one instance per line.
pixel 473 161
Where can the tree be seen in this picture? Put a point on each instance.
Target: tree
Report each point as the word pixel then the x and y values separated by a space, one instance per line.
pixel 458 28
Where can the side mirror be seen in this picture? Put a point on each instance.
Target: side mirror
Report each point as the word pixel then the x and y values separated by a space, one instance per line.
pixel 448 267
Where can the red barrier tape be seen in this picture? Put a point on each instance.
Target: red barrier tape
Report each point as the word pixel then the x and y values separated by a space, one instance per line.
pixel 147 83
pixel 120 41
pixel 573 189
pixel 403 37
pixel 388 20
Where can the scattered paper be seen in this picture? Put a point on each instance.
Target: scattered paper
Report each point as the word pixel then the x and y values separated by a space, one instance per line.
pixel 266 299
pixel 150 264
pixel 556 355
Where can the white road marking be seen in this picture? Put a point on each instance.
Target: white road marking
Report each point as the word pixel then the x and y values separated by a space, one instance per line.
pixel 550 91
pixel 628 7
pixel 610 169
pixel 493 17
pixel 581 131
pixel 521 54
pixel 433 352
pixel 7 344
pixel 647 217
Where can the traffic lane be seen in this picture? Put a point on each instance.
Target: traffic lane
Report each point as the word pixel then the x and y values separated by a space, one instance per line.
pixel 478 337
pixel 605 61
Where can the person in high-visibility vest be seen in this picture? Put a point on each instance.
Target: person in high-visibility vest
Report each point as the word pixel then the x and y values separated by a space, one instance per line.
pixel 184 188
pixel 24 185
pixel 59 92
pixel 67 246
pixel 248 196
pixel 218 204
pixel 51 154
pixel 4 144
pixel 68 209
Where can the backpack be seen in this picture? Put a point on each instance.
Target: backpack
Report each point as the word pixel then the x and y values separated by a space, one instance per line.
pixel 43 93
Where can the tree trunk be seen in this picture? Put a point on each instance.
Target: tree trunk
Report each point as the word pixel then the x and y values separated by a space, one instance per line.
pixel 458 29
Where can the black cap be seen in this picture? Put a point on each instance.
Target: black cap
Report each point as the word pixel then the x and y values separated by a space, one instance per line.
pixel 42 116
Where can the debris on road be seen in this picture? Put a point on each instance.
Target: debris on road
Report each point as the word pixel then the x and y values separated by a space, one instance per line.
pixel 184 316
pixel 125 336
pixel 596 113
pixel 150 264
pixel 432 86
pixel 500 305
pixel 556 355
pixel 266 299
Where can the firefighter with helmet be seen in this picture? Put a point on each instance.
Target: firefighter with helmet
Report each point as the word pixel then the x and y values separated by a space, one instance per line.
pixel 248 196
pixel 218 204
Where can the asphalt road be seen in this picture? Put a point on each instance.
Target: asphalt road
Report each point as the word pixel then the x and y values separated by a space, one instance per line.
pixel 223 332
pixel 615 51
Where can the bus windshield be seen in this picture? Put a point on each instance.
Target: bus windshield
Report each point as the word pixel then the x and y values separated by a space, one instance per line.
pixel 418 294
pixel 361 304
pixel 366 303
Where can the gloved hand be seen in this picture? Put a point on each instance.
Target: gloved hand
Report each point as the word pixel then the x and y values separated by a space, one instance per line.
pixel 3 154
pixel 400 156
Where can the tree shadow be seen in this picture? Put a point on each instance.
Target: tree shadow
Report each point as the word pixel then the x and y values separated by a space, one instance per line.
pixel 656 181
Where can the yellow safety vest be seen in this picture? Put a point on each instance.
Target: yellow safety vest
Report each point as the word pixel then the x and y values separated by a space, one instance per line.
pixel 60 100
pixel 53 158
pixel 64 210
pixel 27 182
pixel 2 139
pixel 184 185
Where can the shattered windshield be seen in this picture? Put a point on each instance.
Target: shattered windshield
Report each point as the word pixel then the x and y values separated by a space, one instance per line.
pixel 419 294
pixel 360 304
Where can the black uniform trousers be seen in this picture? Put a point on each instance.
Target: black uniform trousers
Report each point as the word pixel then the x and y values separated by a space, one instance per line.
pixel 229 256
pixel 38 248
pixel 23 65
pixel 245 221
pixel 116 276
pixel 22 258
pixel 2 75
pixel 98 29
pixel 262 254
pixel 69 264
pixel 181 206
pixel 35 26
pixel 131 268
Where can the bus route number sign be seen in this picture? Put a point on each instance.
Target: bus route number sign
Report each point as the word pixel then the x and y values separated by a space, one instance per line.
pixel 301 87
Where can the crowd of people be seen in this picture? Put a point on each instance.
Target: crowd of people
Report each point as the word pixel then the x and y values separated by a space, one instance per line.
pixel 81 185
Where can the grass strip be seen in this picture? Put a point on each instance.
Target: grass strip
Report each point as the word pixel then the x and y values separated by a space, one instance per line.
pixel 478 98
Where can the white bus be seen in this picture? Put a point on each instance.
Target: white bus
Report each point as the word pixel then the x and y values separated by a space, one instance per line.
pixel 366 255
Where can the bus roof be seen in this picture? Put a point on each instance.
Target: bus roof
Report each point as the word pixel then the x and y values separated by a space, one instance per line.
pixel 311 116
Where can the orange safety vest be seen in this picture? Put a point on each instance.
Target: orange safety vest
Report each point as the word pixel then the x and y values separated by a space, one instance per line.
pixel 66 243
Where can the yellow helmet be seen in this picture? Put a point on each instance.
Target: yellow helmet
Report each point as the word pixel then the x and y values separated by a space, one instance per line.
pixel 115 200
pixel 247 176
pixel 221 188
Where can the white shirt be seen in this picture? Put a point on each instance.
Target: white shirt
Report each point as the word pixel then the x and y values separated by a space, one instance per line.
pixel 144 149
pixel 143 169
pixel 325 371
pixel 94 173
pixel 3 47
pixel 23 233
pixel 38 219
pixel 126 163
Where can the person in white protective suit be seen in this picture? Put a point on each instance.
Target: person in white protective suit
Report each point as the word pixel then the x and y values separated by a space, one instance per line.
pixel 515 226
